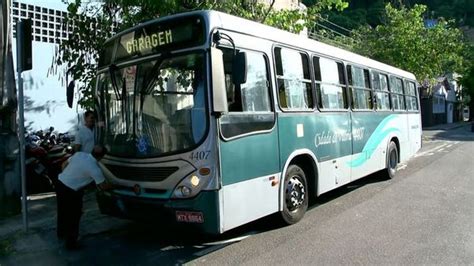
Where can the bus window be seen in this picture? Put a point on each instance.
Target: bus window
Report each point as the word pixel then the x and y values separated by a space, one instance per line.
pixel 410 96
pixel 382 95
pixel 396 90
pixel 330 84
pixel 360 86
pixel 294 80
pixel 249 103
pixel 252 96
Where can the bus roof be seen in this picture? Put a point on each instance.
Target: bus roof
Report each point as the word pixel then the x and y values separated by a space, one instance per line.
pixel 245 26
pixel 217 19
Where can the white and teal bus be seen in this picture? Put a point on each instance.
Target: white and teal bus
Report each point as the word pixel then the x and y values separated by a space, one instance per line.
pixel 216 121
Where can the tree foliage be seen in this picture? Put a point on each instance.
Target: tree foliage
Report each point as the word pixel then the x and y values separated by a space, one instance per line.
pixel 91 23
pixel 467 82
pixel 402 40
pixel 362 12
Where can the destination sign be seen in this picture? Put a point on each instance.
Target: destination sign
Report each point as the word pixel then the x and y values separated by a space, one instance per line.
pixel 149 41
pixel 154 38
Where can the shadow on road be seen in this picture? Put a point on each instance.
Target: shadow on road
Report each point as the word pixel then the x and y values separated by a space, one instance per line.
pixel 376 177
pixel 114 241
pixel 164 244
pixel 139 243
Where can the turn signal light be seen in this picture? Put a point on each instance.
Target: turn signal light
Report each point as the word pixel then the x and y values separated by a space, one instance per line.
pixel 204 171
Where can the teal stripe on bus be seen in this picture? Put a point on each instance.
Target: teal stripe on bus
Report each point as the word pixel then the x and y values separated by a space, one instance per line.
pixel 377 136
pixel 318 130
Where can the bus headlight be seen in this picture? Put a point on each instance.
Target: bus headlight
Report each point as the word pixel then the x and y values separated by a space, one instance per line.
pixel 190 186
pixel 195 181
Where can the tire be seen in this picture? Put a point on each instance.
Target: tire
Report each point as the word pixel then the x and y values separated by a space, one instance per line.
pixel 392 160
pixel 296 195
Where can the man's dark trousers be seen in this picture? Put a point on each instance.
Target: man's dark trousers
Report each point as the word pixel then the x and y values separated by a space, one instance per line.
pixel 69 212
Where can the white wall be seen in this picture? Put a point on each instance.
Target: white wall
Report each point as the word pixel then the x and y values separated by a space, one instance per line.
pixel 439 99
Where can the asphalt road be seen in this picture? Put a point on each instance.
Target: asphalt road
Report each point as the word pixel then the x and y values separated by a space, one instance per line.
pixel 423 216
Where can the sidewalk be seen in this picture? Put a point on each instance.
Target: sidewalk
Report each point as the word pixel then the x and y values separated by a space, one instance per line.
pixel 448 126
pixel 20 248
pixel 106 240
pixel 460 131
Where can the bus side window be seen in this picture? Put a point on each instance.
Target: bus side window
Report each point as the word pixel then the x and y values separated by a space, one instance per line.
pixel 396 92
pixel 294 80
pixel 382 95
pixel 360 86
pixel 410 96
pixel 330 83
pixel 250 106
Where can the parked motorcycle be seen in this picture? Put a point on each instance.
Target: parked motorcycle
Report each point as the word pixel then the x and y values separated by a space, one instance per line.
pixel 37 179
pixel 45 155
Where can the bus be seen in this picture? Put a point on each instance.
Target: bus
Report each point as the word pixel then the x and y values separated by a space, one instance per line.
pixel 215 121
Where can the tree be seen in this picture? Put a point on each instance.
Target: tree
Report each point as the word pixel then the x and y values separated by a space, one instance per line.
pixel 467 82
pixel 402 40
pixel 358 13
pixel 462 11
pixel 92 23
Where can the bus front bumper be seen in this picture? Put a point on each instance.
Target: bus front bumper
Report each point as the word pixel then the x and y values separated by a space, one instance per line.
pixel 201 212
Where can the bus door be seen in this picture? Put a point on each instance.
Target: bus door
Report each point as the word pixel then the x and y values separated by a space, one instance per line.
pixel 248 144
pixel 333 143
pixel 332 133
pixel 367 126
pixel 366 142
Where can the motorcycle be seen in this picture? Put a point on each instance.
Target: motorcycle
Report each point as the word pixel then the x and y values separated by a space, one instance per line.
pixel 37 178
pixel 45 155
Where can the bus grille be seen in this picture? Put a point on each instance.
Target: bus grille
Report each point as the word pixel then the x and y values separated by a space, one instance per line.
pixel 141 173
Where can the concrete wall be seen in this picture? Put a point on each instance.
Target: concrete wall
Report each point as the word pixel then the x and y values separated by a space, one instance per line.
pixel 10 188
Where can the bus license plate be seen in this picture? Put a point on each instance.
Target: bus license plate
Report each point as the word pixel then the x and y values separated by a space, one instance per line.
pixel 189 217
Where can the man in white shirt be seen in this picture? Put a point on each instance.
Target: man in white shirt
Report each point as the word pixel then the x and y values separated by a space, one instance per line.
pixel 85 140
pixel 78 172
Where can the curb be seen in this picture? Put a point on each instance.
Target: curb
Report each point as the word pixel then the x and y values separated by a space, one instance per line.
pixel 444 127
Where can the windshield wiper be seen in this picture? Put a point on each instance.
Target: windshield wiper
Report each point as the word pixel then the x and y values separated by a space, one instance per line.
pixel 120 93
pixel 112 70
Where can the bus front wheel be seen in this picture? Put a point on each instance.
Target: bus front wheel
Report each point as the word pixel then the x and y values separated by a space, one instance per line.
pixel 392 160
pixel 295 195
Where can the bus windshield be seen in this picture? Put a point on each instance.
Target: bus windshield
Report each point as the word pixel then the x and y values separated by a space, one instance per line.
pixel 155 107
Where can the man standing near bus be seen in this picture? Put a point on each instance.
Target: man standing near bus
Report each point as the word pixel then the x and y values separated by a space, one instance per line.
pixel 78 172
pixel 85 140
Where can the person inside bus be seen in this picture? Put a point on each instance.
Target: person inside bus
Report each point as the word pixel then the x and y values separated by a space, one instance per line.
pixel 84 140
pixel 79 171
pixel 236 104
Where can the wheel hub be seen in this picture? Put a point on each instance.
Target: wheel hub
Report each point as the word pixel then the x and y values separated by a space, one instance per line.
pixel 295 193
pixel 393 160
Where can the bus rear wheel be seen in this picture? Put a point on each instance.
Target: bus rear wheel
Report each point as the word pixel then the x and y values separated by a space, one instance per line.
pixel 295 195
pixel 392 160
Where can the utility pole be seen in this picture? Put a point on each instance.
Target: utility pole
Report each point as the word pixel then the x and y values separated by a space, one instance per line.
pixel 23 62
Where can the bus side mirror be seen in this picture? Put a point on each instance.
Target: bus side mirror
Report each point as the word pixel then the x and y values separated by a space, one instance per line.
pixel 219 94
pixel 239 68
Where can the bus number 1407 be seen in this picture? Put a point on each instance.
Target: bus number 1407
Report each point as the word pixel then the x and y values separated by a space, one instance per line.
pixel 199 155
